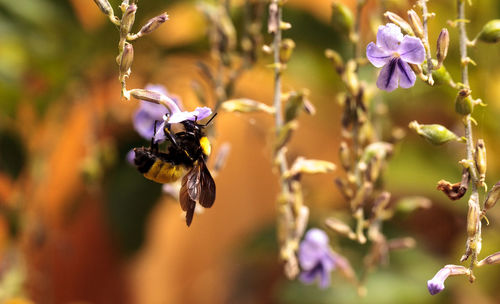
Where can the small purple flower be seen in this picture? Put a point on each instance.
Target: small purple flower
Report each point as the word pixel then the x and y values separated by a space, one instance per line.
pixel 393 52
pixel 198 114
pixel 148 113
pixel 436 284
pixel 315 258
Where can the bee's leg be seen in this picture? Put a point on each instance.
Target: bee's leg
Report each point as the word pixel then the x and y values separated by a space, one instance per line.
pixel 170 137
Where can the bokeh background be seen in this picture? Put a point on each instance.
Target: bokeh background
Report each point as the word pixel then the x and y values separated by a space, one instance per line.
pixel 78 224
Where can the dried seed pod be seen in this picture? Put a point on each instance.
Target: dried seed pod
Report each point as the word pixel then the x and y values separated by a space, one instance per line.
pixel 310 166
pixel 490 32
pixel 457 190
pixel 434 133
pixel 360 198
pixel 273 21
pixel 443 42
pixel 473 220
pixel 380 204
pixel 394 18
pixel 401 243
pixel 416 24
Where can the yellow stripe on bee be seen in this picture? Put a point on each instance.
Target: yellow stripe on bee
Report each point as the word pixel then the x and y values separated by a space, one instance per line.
pixel 164 172
pixel 205 145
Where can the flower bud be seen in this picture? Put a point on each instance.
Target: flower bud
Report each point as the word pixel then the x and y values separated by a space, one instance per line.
pixel 286 50
pixel 245 105
pixel 490 32
pixel 342 18
pixel 434 133
pixel 492 197
pixel 273 21
pixel 401 243
pixel 351 78
pixel 436 284
pixel 105 7
pixel 490 260
pixel 481 160
pixel 343 186
pixel 380 203
pixel 394 18
pixel 128 20
pixel 336 60
pixel 340 227
pixel 345 156
pixel 442 46
pixel 463 103
pixel 416 23
pixel 126 59
pixel 152 24
pixel 363 193
pixel 310 166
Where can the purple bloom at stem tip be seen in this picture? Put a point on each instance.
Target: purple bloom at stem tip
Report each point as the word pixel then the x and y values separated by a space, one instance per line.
pixel 436 284
pixel 393 52
pixel 315 258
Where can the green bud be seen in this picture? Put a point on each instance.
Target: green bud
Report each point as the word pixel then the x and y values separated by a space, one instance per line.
pixel 490 32
pixel 284 134
pixel 463 102
pixel 416 23
pixel 336 60
pixel 441 76
pixel 394 18
pixel 492 197
pixel 342 18
pixel 442 46
pixel 435 134
pixel 295 102
pixel 128 20
pixel 286 50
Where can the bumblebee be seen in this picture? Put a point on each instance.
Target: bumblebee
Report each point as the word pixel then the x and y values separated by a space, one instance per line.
pixel 188 151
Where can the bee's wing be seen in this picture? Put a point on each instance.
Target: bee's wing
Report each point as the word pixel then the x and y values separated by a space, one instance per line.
pixel 207 185
pixel 187 202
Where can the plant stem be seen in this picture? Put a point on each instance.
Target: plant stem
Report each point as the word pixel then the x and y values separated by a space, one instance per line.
pixel 467 120
pixel 425 15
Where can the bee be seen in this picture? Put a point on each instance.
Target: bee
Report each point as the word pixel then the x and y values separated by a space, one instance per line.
pixel 186 156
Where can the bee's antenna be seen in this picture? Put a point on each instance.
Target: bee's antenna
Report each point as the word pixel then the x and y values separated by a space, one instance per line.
pixel 210 120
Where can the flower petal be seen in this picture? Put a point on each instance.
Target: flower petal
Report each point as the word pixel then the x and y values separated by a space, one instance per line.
pixel 324 278
pixel 388 77
pixel 308 277
pixel 145 117
pixel 412 50
pixel 160 133
pixel 389 36
pixel 198 114
pixel 406 75
pixel 377 55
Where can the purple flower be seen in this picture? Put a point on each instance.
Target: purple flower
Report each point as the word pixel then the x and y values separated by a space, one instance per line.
pixel 148 113
pixel 436 284
pixel 393 52
pixel 315 258
pixel 198 114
